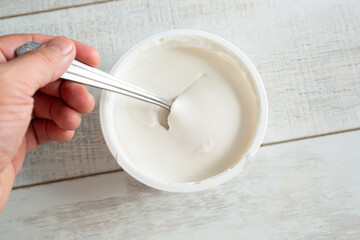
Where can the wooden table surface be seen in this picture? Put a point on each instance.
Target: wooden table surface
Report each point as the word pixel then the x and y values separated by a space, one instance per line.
pixel 304 183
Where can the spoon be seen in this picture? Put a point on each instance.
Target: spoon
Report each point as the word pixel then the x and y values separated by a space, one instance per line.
pixel 82 73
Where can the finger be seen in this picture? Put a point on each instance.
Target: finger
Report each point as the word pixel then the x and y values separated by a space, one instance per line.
pixel 76 96
pixel 56 109
pixel 30 138
pixel 46 131
pixel 87 54
pixel 52 89
pixel 39 67
pixel 9 44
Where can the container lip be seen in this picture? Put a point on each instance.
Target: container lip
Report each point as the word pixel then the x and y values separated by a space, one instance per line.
pixel 219 178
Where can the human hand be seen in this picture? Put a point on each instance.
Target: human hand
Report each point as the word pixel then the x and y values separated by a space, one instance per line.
pixel 36 107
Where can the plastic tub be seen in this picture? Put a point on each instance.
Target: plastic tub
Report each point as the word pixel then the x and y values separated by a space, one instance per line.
pixel 262 109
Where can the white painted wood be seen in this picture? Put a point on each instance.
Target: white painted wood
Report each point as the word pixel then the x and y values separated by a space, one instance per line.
pixel 305 189
pixel 306 51
pixel 10 8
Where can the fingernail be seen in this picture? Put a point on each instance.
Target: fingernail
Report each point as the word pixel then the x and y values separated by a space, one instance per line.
pixel 62 44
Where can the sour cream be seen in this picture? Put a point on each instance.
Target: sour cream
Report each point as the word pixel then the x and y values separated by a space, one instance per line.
pixel 213 120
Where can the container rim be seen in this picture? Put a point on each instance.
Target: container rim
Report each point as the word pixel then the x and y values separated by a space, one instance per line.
pixel 221 177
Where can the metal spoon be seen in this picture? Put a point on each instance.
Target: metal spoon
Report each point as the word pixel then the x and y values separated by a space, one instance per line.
pixel 82 73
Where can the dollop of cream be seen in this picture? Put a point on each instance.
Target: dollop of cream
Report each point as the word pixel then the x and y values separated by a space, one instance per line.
pixel 211 123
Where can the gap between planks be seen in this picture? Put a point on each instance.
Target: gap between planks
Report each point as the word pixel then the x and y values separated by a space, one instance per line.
pixel 66 179
pixel 311 136
pixel 119 170
pixel 56 9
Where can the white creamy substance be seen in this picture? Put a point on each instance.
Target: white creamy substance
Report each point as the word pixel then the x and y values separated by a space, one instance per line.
pixel 212 121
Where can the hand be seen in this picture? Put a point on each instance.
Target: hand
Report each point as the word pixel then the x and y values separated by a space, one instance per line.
pixel 36 107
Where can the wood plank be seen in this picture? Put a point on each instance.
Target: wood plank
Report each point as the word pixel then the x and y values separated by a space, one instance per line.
pixel 305 189
pixel 308 53
pixel 23 7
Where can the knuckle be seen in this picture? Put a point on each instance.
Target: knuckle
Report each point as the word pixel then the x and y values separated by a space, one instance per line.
pixel 43 58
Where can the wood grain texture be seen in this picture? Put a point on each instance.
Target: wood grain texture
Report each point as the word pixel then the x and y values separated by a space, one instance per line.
pixel 307 52
pixel 299 190
pixel 9 8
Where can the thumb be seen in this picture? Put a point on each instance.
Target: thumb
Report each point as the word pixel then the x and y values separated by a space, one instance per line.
pixel 41 66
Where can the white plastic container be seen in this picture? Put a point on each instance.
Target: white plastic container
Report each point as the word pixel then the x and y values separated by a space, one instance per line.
pixel 262 109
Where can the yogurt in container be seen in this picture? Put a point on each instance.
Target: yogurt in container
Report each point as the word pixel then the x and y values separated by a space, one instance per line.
pixel 217 121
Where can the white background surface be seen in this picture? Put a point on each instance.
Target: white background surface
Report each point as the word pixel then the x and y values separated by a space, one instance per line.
pixel 303 183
